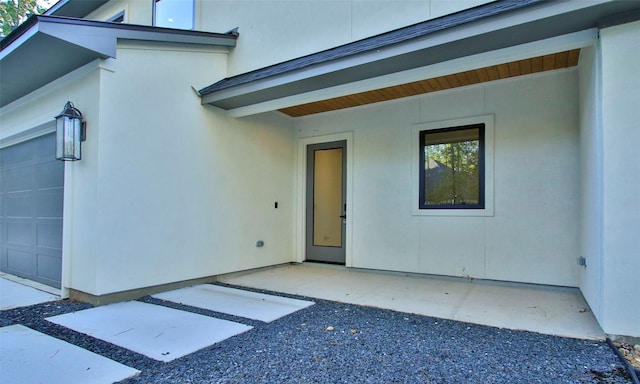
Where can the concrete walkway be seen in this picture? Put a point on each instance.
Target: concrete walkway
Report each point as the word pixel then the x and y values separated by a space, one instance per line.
pixel 164 334
pixel 156 331
pixel 548 310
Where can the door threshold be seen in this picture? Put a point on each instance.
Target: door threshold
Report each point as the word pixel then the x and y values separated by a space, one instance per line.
pixel 325 262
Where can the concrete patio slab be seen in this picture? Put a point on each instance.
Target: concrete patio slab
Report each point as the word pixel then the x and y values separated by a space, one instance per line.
pixel 14 295
pixel 237 302
pixel 158 332
pixel 24 352
pixel 549 310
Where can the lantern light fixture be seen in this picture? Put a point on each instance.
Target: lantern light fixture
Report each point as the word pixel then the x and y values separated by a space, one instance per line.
pixel 70 132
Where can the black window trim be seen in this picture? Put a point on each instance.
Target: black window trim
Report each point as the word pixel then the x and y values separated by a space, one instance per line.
pixel 481 160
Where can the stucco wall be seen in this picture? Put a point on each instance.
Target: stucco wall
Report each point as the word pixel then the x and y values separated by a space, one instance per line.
pixel 534 233
pixel 278 30
pixel 591 176
pixel 39 109
pixel 620 138
pixel 135 11
pixel 182 191
pixel 167 189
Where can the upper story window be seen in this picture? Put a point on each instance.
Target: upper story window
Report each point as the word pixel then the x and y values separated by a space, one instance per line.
pixel 452 168
pixel 177 14
pixel 119 18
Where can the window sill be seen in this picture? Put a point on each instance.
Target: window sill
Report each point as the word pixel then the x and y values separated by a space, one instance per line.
pixel 454 212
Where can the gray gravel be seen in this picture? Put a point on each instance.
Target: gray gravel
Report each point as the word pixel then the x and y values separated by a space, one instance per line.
pixel 366 345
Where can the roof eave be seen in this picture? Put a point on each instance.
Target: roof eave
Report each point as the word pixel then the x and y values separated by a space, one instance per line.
pixel 74 8
pixel 68 44
pixel 537 22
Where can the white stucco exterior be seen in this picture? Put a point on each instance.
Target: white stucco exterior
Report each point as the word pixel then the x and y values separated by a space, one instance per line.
pixel 135 11
pixel 169 189
pixel 278 30
pixel 591 179
pixel 184 176
pixel 621 208
pixel 609 230
pixel 531 145
pixel 153 169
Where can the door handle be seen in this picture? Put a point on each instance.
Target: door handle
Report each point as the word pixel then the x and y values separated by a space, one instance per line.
pixel 343 216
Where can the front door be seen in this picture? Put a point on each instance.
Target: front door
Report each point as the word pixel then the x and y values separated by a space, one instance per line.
pixel 326 202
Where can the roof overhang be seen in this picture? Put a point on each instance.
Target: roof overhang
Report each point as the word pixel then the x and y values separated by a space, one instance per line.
pixel 45 48
pixel 74 8
pixel 497 31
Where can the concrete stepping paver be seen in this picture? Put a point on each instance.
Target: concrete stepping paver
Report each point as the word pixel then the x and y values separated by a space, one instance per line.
pixel 237 302
pixel 16 295
pixel 24 352
pixel 155 331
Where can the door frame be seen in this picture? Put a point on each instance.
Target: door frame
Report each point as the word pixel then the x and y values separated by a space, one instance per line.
pixel 301 194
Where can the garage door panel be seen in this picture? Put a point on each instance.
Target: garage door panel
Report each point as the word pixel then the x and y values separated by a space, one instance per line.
pixel 49 203
pixel 49 234
pixel 49 175
pixel 16 155
pixel 17 179
pixel 19 233
pixel 49 266
pixel 21 262
pixel 4 176
pixel 46 147
pixel 17 204
pixel 31 210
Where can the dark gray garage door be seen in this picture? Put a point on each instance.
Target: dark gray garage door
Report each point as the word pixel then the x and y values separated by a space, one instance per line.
pixel 31 196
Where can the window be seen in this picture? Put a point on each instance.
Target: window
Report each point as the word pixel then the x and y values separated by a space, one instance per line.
pixel 452 168
pixel 177 14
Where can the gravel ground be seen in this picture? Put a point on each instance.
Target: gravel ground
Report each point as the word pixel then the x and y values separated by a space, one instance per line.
pixel 333 342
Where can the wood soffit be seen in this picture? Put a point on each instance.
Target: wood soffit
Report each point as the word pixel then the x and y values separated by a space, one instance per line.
pixel 544 63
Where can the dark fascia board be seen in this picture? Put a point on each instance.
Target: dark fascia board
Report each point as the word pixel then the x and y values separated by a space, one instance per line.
pixel 619 18
pixel 492 26
pixel 48 47
pixel 74 8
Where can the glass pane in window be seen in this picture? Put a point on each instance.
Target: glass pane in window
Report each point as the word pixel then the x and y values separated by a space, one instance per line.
pixel 174 14
pixel 452 167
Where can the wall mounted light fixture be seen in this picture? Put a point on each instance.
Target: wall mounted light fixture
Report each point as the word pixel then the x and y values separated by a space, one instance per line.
pixel 70 131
